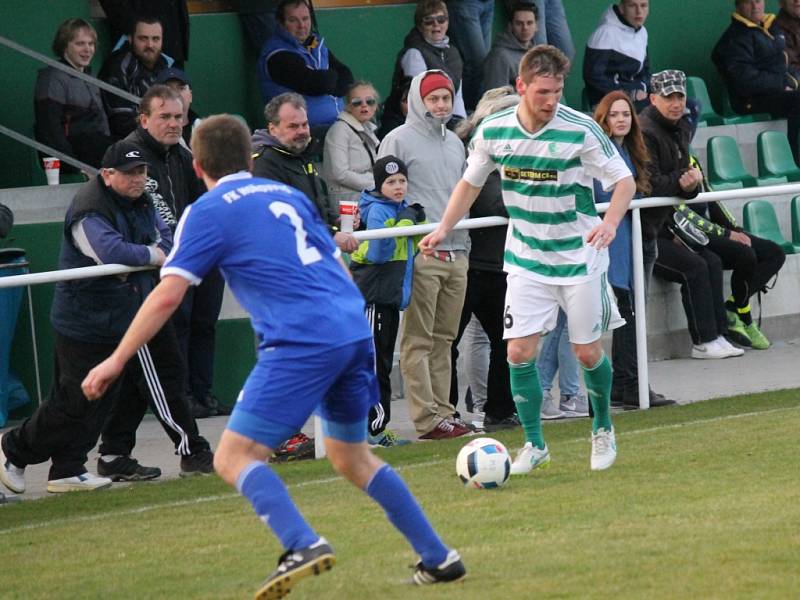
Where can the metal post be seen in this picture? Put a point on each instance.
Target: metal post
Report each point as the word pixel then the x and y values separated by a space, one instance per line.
pixel 639 310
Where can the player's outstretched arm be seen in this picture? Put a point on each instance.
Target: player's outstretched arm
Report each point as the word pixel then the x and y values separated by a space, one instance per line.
pixel 462 198
pixel 157 308
pixel 604 233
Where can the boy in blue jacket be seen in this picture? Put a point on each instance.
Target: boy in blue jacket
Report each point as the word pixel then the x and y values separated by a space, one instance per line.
pixel 383 271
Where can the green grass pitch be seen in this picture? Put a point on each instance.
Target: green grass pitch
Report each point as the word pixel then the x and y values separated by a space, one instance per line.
pixel 703 502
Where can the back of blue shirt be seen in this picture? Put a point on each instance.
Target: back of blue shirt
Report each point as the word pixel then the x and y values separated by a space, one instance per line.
pixel 278 259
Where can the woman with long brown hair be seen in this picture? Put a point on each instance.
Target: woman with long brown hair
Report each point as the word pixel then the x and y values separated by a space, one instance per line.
pixel 617 117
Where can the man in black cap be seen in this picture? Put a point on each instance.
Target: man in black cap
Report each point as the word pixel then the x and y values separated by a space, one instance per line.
pixel 110 220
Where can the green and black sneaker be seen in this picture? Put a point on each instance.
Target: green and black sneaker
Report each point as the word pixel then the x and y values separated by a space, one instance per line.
pixel 737 332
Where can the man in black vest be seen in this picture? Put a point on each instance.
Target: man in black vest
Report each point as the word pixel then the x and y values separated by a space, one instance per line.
pixel 111 220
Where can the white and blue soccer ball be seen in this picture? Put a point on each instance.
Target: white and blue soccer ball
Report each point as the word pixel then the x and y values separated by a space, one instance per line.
pixel 483 463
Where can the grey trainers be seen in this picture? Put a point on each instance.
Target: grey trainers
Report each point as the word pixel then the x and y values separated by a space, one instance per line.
pixel 574 406
pixel 550 409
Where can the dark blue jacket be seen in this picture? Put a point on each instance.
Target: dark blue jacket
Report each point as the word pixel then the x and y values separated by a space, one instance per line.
pixel 99 310
pixel 322 109
pixel 751 59
pixel 383 269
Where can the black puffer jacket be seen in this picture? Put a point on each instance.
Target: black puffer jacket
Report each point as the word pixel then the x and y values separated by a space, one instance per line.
pixel 170 177
pixel 488 243
pixel 751 59
pixel 668 145
pixel 273 161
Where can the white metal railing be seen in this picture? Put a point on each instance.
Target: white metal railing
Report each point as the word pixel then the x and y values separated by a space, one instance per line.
pixel 638 268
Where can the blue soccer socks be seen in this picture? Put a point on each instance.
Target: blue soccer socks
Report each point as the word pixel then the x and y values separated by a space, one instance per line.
pixel 404 512
pixel 270 499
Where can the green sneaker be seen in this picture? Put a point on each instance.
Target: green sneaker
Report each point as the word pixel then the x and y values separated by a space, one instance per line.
pixel 737 331
pixel 758 340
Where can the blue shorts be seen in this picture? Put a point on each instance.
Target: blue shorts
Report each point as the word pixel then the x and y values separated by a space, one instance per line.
pixel 284 390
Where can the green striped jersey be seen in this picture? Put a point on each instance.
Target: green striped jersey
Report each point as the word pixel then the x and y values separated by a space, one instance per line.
pixel 547 189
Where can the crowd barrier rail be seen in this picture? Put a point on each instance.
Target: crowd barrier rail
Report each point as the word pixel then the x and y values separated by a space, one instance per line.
pixel 638 268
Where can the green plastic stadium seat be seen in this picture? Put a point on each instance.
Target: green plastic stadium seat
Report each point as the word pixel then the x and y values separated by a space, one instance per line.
pixel 775 156
pixel 760 219
pixel 795 208
pixel 696 88
pixel 730 117
pixel 725 167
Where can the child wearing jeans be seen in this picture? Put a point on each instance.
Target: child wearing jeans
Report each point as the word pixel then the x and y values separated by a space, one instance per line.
pixel 383 271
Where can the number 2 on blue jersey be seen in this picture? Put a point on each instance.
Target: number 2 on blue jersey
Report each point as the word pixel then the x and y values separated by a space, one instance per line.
pixel 307 254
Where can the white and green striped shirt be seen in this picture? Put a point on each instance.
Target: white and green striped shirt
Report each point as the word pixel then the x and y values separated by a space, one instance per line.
pixel 547 189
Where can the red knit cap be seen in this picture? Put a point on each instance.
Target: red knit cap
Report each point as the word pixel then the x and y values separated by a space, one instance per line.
pixel 434 81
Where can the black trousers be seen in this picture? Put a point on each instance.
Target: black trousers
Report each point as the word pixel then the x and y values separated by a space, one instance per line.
pixel 66 425
pixel 485 298
pixel 700 277
pixel 783 104
pixel 155 378
pixel 195 324
pixel 753 266
pixel 385 322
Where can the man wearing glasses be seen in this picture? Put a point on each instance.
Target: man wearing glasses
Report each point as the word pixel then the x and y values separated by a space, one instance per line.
pixel 296 59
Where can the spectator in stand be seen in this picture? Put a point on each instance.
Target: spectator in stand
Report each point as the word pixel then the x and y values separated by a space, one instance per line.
pixel 68 111
pixel 502 62
pixel 132 68
pixel 667 133
pixel 174 185
pixel 395 108
pixel 751 57
pixel 789 21
pixel 282 152
pixel 383 270
pixel 427 47
pixel 471 32
pixel 110 220
pixel 435 159
pixel 616 54
pixel 296 59
pixel 351 146
pixel 753 260
pixel 553 27
pixel 179 82
pixel 486 281
pixel 172 14
pixel 617 116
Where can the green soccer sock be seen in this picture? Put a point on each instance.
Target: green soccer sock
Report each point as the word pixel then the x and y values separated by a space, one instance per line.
pixel 527 392
pixel 598 386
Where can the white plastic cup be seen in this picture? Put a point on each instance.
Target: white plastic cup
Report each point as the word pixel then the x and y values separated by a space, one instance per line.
pixel 52 166
pixel 347 211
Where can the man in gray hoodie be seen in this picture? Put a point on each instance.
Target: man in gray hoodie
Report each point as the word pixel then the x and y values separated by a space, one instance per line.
pixel 502 62
pixel 435 160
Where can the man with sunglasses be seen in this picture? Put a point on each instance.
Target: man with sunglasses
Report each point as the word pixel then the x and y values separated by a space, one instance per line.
pixel 296 59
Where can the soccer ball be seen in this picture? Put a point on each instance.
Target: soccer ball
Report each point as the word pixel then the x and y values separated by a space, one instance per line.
pixel 483 463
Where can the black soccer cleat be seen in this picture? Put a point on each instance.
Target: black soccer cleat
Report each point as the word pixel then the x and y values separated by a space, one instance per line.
pixel 294 565
pixel 452 569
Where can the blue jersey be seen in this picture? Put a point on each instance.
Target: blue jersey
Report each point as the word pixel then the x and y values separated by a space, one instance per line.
pixel 278 259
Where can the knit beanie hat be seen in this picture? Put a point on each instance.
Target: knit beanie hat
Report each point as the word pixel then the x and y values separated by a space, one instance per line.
pixel 386 167
pixel 434 81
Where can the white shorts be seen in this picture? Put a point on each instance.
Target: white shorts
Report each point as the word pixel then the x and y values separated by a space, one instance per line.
pixel 532 307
